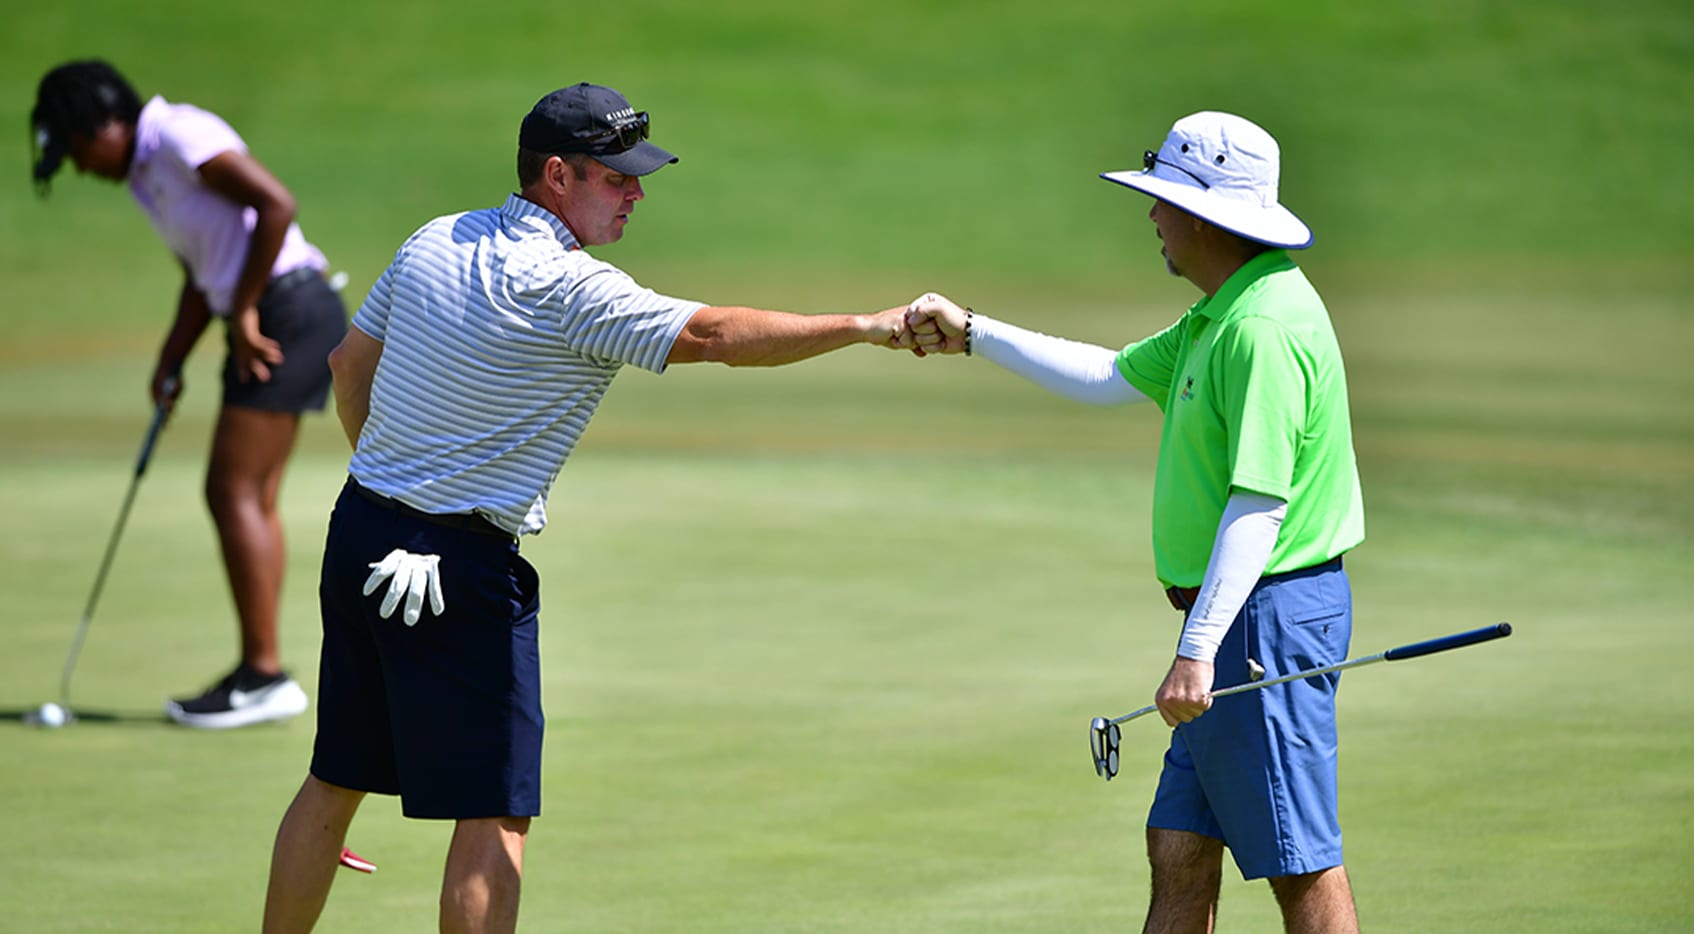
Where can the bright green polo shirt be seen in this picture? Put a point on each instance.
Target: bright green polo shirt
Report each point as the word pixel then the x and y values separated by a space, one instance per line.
pixel 1255 397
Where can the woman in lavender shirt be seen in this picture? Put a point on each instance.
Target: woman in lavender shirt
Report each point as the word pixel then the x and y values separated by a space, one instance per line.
pixel 230 223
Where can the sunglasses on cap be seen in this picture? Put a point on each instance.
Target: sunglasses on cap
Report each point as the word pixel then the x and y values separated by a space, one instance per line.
pixel 625 135
pixel 1151 158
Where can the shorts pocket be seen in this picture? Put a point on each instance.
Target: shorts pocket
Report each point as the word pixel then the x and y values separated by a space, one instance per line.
pixel 1319 620
pixel 1321 639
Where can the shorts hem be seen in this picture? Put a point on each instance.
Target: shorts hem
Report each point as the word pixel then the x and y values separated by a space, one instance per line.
pixel 260 405
pixel 441 813
pixel 365 787
pixel 1300 867
pixel 1207 832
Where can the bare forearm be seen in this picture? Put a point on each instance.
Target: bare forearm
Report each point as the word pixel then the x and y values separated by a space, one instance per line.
pixel 192 317
pixel 353 364
pixel 750 337
pixel 268 234
pixel 352 407
pixel 245 181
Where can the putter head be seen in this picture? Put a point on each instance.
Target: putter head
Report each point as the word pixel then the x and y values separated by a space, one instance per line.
pixel 1103 737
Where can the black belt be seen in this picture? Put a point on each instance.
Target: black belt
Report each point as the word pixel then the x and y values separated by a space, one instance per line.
pixel 465 521
pixel 1182 598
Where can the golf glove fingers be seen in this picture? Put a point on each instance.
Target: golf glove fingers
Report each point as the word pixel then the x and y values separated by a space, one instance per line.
pixel 410 577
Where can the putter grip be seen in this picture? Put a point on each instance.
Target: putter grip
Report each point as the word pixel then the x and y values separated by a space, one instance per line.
pixel 1455 641
pixel 161 412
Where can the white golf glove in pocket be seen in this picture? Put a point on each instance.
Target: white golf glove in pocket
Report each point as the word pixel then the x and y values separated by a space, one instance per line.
pixel 409 576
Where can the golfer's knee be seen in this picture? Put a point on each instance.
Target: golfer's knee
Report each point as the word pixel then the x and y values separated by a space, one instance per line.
pixel 329 797
pixel 492 835
pixel 496 825
pixel 223 493
pixel 1187 869
pixel 1331 881
pixel 1183 853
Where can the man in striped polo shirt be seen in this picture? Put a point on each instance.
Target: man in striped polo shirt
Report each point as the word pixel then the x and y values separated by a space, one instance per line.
pixel 468 376
pixel 1255 499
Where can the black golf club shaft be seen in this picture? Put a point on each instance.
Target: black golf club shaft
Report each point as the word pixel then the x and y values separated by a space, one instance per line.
pixel 161 413
pixel 1399 653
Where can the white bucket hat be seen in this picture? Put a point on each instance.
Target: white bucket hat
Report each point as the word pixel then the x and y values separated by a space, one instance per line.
pixel 1222 169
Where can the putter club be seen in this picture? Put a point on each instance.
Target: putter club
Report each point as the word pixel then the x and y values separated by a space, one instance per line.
pixel 161 413
pixel 1103 734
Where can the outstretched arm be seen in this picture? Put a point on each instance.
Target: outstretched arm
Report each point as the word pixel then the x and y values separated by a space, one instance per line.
pixel 751 337
pixel 1083 372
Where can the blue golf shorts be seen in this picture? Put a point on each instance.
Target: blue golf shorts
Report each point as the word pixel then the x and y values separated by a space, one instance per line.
pixel 1258 770
pixel 445 713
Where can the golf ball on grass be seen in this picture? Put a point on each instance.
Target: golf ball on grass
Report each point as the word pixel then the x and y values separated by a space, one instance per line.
pixel 49 715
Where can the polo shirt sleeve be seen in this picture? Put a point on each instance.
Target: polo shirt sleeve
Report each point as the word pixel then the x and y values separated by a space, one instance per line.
pixel 610 318
pixel 1150 364
pixel 195 136
pixel 1266 382
pixel 373 314
pixel 378 307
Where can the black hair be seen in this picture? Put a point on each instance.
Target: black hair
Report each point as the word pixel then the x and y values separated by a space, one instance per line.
pixel 76 97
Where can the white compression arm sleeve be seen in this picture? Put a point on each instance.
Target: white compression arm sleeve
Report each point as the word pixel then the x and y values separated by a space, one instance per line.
pixel 1246 537
pixel 1083 372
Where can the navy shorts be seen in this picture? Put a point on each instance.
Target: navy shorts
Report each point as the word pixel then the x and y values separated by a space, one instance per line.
pixel 1258 770
pixel 447 713
pixel 302 313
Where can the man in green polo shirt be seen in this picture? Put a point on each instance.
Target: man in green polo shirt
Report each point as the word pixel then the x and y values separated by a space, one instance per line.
pixel 1255 500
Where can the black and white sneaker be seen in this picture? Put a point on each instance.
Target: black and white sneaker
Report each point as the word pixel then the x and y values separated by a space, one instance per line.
pixel 242 698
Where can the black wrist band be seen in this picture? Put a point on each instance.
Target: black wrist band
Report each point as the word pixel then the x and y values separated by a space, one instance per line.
pixel 968 313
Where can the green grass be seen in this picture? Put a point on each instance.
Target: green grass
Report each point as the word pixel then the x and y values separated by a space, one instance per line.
pixel 820 643
pixel 817 662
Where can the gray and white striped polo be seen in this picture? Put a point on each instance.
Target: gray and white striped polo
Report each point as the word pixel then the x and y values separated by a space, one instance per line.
pixel 500 336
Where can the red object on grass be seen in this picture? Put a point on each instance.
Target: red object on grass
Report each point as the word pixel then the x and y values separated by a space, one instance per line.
pixel 353 860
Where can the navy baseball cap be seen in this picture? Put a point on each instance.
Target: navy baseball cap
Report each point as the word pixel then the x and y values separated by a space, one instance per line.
pixel 596 120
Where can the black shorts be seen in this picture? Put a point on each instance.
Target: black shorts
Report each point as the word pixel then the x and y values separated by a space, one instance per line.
pixel 446 713
pixel 302 313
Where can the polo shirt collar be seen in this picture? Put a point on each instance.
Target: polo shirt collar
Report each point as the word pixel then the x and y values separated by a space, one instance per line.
pixel 527 213
pixel 1217 306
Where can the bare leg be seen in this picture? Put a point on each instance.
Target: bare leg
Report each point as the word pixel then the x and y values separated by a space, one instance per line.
pixel 250 449
pixel 1187 872
pixel 307 855
pixel 1317 902
pixel 480 888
